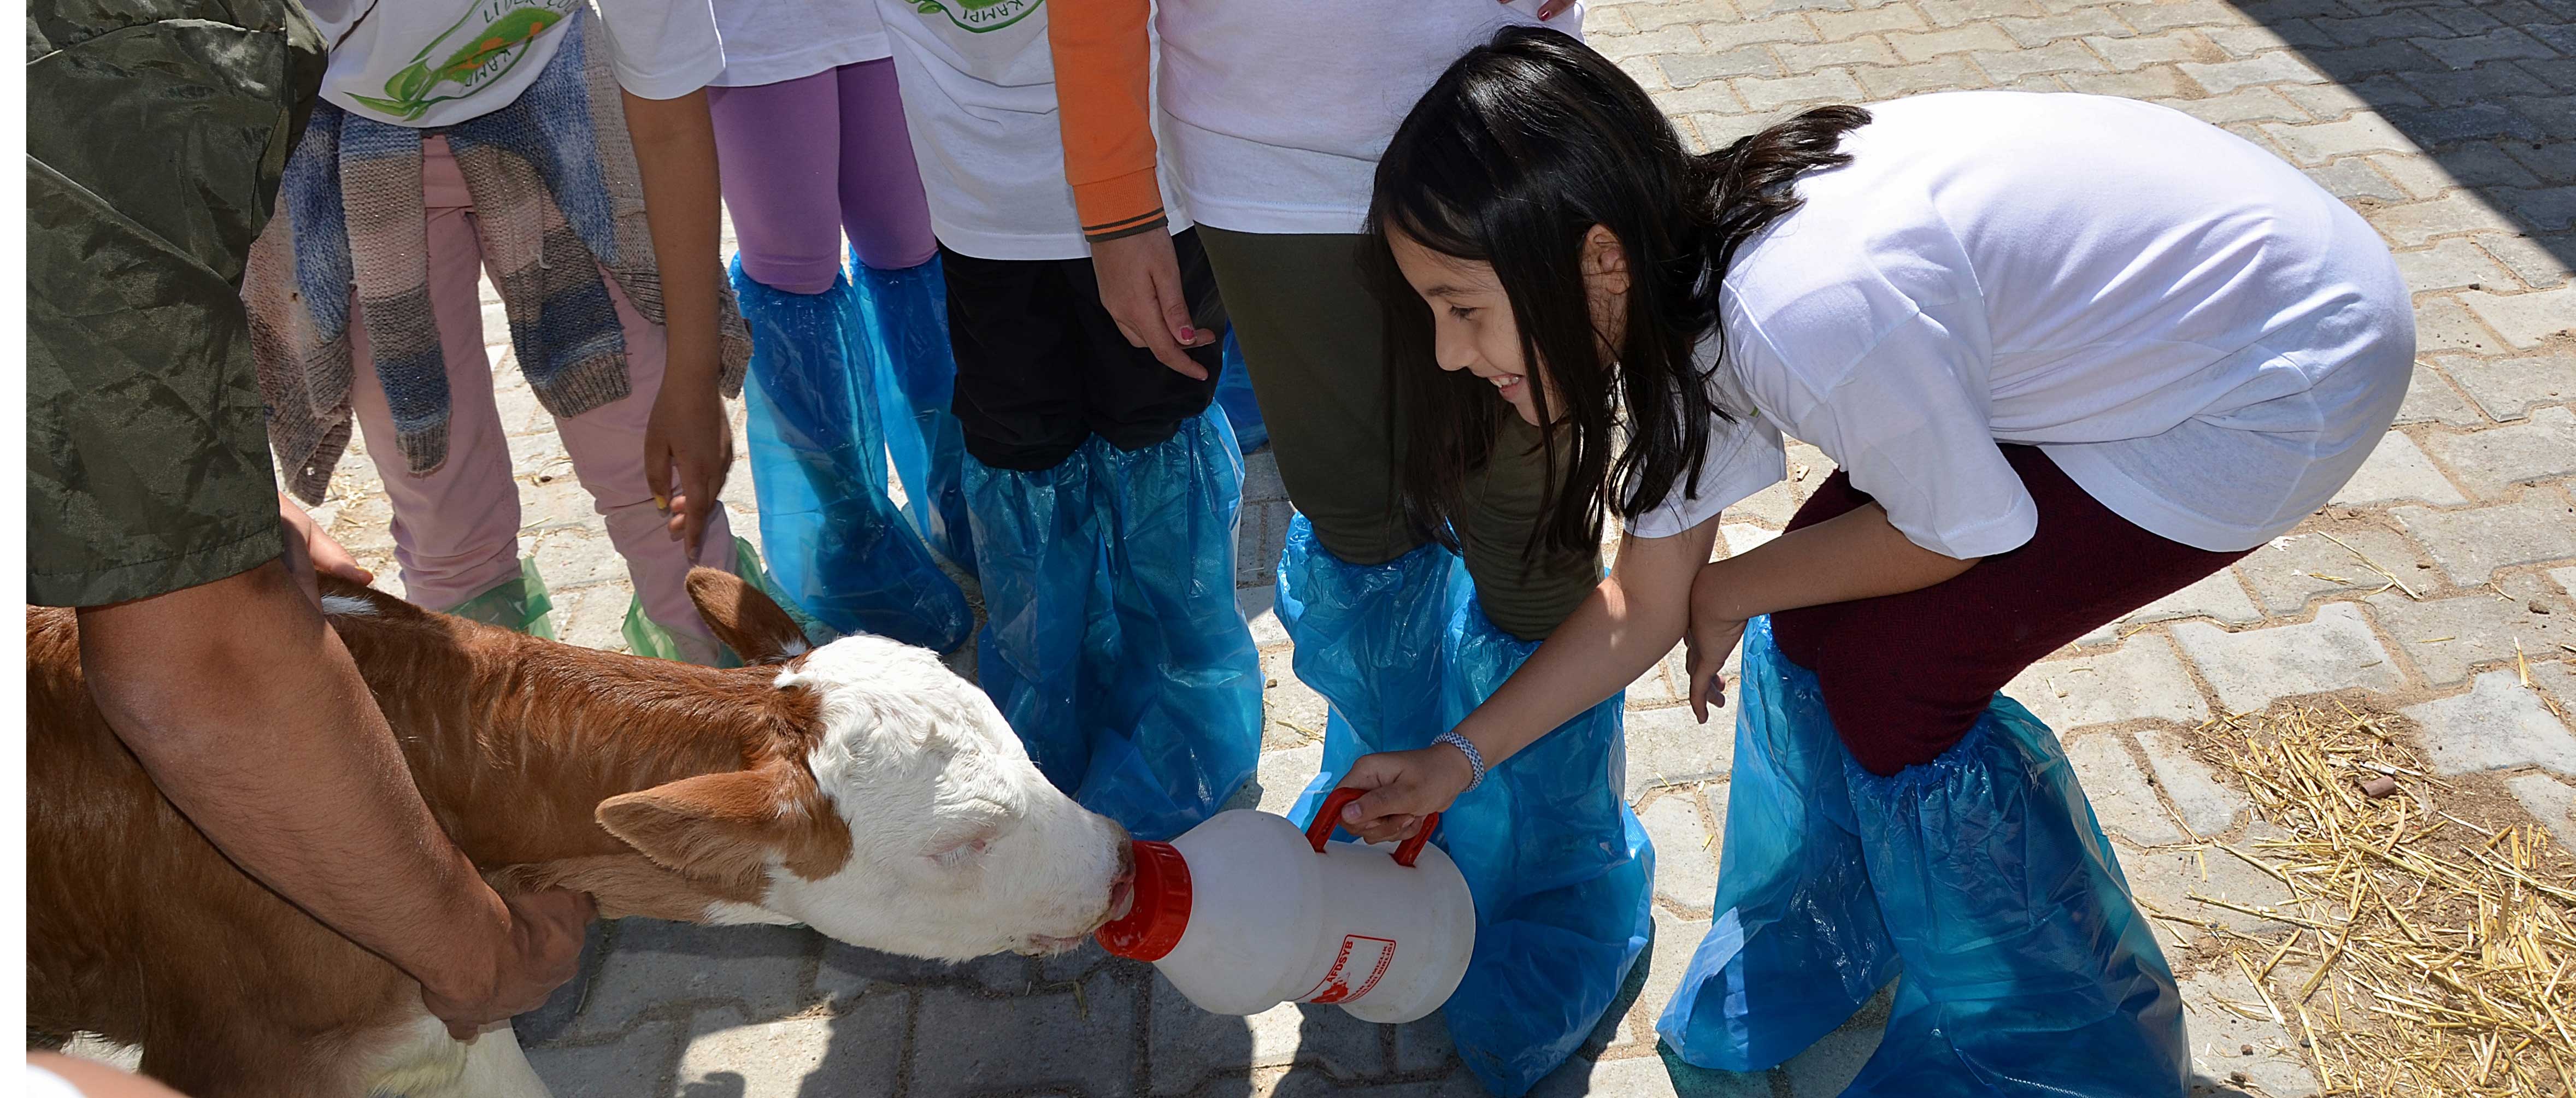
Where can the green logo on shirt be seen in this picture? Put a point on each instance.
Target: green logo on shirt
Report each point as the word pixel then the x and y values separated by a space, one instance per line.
pixel 979 16
pixel 483 45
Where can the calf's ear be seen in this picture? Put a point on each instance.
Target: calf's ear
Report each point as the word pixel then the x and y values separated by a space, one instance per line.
pixel 744 618
pixel 724 828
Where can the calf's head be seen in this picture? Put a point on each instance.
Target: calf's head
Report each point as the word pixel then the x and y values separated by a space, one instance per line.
pixel 899 811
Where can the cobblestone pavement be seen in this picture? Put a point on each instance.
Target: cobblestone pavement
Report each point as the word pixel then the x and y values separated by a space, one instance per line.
pixel 2451 125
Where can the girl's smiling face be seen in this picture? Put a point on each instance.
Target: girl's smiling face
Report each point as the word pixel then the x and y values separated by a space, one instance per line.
pixel 1472 324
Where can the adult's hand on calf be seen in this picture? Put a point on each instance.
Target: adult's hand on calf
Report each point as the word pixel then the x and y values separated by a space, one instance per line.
pixel 1140 285
pixel 535 950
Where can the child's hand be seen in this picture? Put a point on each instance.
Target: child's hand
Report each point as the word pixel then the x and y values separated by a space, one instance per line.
pixel 1712 636
pixel 688 434
pixel 1404 786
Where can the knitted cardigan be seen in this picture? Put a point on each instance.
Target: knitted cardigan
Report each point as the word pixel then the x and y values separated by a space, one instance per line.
pixel 557 198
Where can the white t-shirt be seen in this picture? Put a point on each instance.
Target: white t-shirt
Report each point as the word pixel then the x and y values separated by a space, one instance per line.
pixel 1275 113
pixel 439 62
pixel 979 97
pixel 2203 339
pixel 771 41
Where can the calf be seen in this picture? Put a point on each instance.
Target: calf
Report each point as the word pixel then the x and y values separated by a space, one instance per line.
pixel 860 788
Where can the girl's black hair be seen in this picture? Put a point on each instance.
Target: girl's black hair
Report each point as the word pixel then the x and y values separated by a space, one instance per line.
pixel 1524 145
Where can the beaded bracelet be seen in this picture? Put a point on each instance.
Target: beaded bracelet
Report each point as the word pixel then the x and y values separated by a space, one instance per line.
pixel 1475 758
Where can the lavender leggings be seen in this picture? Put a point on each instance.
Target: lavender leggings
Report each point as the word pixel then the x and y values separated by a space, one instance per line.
pixel 805 159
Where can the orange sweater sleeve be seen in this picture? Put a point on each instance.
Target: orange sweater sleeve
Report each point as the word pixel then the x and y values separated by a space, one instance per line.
pixel 1104 99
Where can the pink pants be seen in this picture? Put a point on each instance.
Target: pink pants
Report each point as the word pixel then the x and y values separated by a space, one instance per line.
pixel 456 531
pixel 805 159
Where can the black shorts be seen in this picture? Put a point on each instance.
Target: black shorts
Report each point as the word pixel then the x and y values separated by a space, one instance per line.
pixel 1041 367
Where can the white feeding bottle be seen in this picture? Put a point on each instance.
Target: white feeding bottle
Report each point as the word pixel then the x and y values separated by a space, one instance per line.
pixel 1242 913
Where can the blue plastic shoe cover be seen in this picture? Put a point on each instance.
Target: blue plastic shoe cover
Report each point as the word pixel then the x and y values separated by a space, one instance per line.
pixel 1113 642
pixel 1797 946
pixel 1178 729
pixel 1234 394
pixel 2028 969
pixel 1561 871
pixel 906 314
pixel 1037 542
pixel 838 547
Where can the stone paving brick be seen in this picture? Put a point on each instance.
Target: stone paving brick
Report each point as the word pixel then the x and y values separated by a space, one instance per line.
pixel 2477 85
pixel 2248 105
pixel 1643 1076
pixel 636 1063
pixel 2270 68
pixel 1666 957
pixel 848 972
pixel 1786 28
pixel 1670 747
pixel 2445 638
pixel 858 1055
pixel 2498 725
pixel 1829 1065
pixel 1951 13
pixel 1684 70
pixel 1830 85
pixel 2207 807
pixel 2152 83
pixel 2536 261
pixel 2169 877
pixel 2278 1066
pixel 2362 30
pixel 965 1044
pixel 762 968
pixel 2397 470
pixel 2467 163
pixel 1190 1045
pixel 2141 679
pixel 1801 58
pixel 2136 52
pixel 2150 18
pixel 2470 545
pixel 2214 596
pixel 2331 101
pixel 1704 100
pixel 1646 17
pixel 2352 178
pixel 2433 400
pixel 2489 462
pixel 2525 320
pixel 1944 73
pixel 2449 265
pixel 2252 669
pixel 2550 801
pixel 2290 572
pixel 2073 24
pixel 1659 41
pixel 2442 323
pixel 2013 64
pixel 2122 797
pixel 1685 855
pixel 1975 36
pixel 1423 1045
pixel 2547 209
pixel 2554 161
pixel 1835 26
pixel 2502 43
pixel 2249 41
pixel 591 617
pixel 2317 142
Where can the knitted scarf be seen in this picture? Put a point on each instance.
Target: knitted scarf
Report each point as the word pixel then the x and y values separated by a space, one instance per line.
pixel 557 199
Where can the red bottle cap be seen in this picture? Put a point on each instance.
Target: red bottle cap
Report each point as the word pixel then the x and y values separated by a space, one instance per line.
pixel 1161 910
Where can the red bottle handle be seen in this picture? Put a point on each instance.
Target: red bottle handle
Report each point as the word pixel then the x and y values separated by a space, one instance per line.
pixel 1330 816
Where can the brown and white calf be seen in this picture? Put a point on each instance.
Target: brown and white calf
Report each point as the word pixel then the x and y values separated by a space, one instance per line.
pixel 860 788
